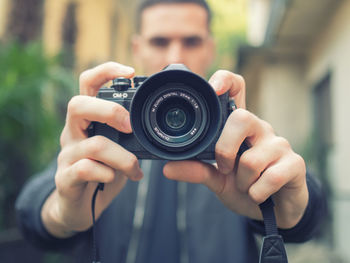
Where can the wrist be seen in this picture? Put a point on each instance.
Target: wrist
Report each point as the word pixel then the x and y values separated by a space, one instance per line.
pixel 290 210
pixel 50 216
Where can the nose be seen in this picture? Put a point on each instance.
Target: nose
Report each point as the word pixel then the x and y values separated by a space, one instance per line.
pixel 175 53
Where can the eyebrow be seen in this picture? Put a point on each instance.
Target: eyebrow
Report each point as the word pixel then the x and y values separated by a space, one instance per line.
pixel 185 38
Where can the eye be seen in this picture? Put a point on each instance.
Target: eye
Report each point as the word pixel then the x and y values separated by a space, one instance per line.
pixel 160 42
pixel 192 42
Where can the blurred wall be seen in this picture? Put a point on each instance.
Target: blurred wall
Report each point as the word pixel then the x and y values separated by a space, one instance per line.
pixel 4 4
pixel 330 53
pixel 297 75
pixel 103 30
pixel 97 31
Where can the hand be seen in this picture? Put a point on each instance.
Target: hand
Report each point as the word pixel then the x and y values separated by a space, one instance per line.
pixel 83 161
pixel 268 168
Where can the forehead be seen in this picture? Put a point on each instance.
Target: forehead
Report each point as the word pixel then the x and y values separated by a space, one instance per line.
pixel 172 19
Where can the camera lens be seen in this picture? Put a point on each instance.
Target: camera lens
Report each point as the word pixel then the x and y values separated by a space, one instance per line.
pixel 175 115
pixel 175 118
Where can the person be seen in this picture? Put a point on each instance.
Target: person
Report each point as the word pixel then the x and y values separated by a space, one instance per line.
pixel 197 211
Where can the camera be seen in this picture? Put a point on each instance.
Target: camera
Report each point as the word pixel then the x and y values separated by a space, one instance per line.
pixel 175 115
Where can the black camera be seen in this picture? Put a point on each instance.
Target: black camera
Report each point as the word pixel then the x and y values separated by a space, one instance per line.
pixel 175 115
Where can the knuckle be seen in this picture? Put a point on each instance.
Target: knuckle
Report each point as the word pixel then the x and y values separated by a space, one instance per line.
pixel 275 180
pixel 84 76
pixel 226 74
pixel 74 104
pixel 223 73
pixel 267 126
pixel 81 169
pixel 63 137
pixel 240 79
pixel 256 196
pixel 281 143
pixel 60 183
pixel 242 115
pixel 223 152
pixel 116 110
pixel 299 162
pixel 109 176
pixel 94 145
pixel 251 164
pixel 61 158
pixel 109 64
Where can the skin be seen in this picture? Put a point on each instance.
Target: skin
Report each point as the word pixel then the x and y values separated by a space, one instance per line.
pixel 173 33
pixel 269 167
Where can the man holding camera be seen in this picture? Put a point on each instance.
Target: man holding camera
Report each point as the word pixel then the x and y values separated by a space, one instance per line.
pixel 143 216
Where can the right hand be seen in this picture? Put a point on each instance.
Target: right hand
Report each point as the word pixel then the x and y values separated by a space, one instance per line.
pixel 83 161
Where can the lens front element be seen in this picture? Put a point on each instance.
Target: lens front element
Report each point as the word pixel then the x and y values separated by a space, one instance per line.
pixel 175 117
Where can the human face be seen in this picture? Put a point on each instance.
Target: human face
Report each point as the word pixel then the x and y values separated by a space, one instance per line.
pixel 174 33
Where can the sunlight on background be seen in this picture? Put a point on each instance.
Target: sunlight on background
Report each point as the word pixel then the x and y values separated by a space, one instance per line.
pixel 229 28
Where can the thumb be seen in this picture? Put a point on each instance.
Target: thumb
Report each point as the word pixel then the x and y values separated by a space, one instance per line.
pixel 196 172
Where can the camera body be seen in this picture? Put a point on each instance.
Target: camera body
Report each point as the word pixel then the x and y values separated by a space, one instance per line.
pixel 175 115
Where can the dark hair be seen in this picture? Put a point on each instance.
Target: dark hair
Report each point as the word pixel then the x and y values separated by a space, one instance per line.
pixel 148 3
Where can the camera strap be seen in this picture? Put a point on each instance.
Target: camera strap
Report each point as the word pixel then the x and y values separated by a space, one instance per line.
pixel 272 249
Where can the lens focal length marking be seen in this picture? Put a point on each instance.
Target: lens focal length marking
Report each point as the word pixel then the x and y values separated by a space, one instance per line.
pixel 163 106
pixel 163 99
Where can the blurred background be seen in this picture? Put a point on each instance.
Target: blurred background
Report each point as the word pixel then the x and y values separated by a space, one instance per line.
pixel 294 55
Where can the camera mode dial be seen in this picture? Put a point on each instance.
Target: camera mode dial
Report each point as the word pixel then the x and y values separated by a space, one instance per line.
pixel 121 84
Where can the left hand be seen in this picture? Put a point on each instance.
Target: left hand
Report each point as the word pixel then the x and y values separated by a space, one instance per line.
pixel 268 168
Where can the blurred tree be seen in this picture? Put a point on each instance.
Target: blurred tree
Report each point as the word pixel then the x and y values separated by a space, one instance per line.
pixel 32 91
pixel 25 20
pixel 229 29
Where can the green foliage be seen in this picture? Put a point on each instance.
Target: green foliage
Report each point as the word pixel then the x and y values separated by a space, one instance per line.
pixel 33 89
pixel 229 29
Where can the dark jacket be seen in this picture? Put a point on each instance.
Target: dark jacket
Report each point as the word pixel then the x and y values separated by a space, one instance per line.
pixel 158 220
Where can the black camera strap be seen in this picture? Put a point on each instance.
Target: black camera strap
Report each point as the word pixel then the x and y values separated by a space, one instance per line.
pixel 272 249
pixel 95 251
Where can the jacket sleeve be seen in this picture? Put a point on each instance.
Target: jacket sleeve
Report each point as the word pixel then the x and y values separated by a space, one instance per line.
pixel 315 213
pixel 28 210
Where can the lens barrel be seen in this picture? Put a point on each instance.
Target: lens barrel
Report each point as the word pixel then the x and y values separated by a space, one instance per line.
pixel 175 114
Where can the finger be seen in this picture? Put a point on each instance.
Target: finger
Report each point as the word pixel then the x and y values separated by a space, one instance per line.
pixel 195 172
pixel 91 80
pixel 82 110
pixel 87 170
pixel 253 162
pixel 274 178
pixel 226 81
pixel 241 125
pixel 103 150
